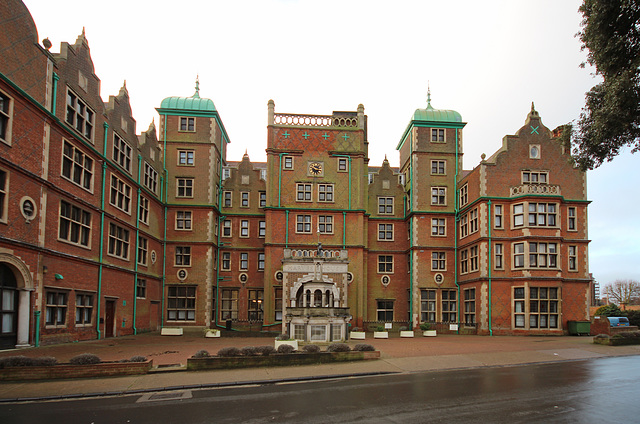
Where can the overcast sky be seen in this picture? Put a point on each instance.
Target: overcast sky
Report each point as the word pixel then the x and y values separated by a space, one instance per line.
pixel 487 60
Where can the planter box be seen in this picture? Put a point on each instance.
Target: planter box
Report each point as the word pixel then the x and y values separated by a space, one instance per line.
pixel 105 369
pixel 380 334
pixel 429 333
pixel 357 335
pixel 274 360
pixel 212 333
pixel 293 343
pixel 171 331
pixel 406 334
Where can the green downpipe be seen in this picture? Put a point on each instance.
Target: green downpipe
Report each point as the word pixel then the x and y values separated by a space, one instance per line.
pixel 490 273
pixel 219 244
pixel 455 231
pixel 135 274
pixel 164 240
pixel 36 314
pixel 410 234
pixel 101 254
pixel 56 78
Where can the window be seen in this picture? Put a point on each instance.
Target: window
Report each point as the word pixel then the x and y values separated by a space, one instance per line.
pixel 464 195
pixel 542 214
pixel 56 308
pixel 464 226
pixel 261 261
pixel 438 261
pixel 497 216
pixel 325 224
pixel 120 194
pixel 229 304
pixel 449 306
pixel 143 210
pixel 244 261
pixel 263 174
pixel 150 177
pixel 385 310
pixel 262 229
pixel 437 135
pixel 4 188
pixel 438 227
pixel 325 192
pixel 79 116
pixel 303 223
pixel 226 173
pixel 470 306
pixel 76 166
pixel 84 309
pixel 143 247
pixel 183 256
pixel 183 220
pixel 121 153
pixel 228 199
pixel 464 261
pixel 141 288
pixel 573 258
pixel 543 255
pixel 343 165
pixel 244 228
pixel 535 177
pixel 255 311
pixel 185 187
pixel 385 232
pixel 263 199
pixel 6 112
pixel 473 221
pixel 571 219
pixel 226 228
pixel 181 303
pixel 498 256
pixel 278 303
pixel 473 258
pixel 385 263
pixel 518 255
pixel 298 332
pixel 518 215
pixel 438 196
pixel 118 242
pixel 185 157
pixel 244 199
pixel 288 162
pixel 385 205
pixel 303 192
pixel 541 309
pixel 226 261
pixel 371 176
pixel 427 305
pixel 438 167
pixel 75 224
pixel 187 124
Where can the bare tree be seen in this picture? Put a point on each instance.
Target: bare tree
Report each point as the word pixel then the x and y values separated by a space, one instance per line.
pixel 622 292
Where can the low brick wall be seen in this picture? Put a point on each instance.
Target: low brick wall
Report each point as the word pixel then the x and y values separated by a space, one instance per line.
pixel 60 371
pixel 274 360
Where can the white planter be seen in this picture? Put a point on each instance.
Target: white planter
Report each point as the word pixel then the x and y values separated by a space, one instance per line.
pixel 212 333
pixel 429 333
pixel 357 335
pixel 380 334
pixel 406 334
pixel 293 343
pixel 171 331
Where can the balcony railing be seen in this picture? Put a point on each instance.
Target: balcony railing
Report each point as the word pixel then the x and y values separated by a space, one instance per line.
pixel 318 312
pixel 295 120
pixel 524 189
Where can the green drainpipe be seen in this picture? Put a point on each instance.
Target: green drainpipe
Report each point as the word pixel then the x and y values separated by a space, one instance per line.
pixel 455 232
pixel 221 219
pixel 411 234
pixel 135 275
pixel 36 314
pixel 490 273
pixel 101 253
pixel 164 240
pixel 55 93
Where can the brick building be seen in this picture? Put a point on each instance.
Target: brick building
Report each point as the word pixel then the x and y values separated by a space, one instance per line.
pixel 105 232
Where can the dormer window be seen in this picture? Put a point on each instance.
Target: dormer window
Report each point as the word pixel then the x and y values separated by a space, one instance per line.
pixel 187 124
pixel 79 115
pixel 535 177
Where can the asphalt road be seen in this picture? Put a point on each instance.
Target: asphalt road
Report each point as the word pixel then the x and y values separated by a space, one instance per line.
pixel 593 391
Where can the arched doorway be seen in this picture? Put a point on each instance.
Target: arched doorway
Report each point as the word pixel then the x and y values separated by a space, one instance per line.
pixel 8 308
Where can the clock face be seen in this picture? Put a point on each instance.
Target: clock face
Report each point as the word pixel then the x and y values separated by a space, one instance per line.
pixel 315 168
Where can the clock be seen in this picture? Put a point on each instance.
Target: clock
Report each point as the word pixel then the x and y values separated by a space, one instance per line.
pixel 315 168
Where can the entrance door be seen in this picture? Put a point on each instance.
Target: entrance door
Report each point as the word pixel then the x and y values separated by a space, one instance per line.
pixel 8 308
pixel 109 318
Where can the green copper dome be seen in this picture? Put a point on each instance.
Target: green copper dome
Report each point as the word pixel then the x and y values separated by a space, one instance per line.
pixel 193 103
pixel 436 115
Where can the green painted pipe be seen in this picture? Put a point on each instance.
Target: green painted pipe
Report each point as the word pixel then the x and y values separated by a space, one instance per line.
pixel 490 273
pixel 164 240
pixel 36 314
pixel 56 78
pixel 455 230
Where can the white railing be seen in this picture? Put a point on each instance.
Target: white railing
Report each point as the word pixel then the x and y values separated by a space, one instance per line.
pixel 292 119
pixel 535 189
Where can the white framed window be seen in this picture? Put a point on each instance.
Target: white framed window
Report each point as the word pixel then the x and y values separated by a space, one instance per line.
pixel 325 192
pixel 122 152
pixel 226 228
pixel 518 255
pixel 183 256
pixel 464 261
pixel 186 157
pixel 536 308
pixel 385 232
pixel 470 307
pixel 303 192
pixel 498 216
pixel 542 214
pixel 150 177
pixel 181 303
pixel 120 194
pixel 226 173
pixel 473 258
pixel 226 261
pixel 56 308
pixel 543 255
pixel 183 220
pixel 437 135
pixel 371 177
pixel 227 199
pixel 498 256
pixel 438 167
pixel 534 151
pixel 287 163
pixel 384 310
pixel 385 205
pixel 262 229
pixel 464 225
pixel 4 191
pixel 385 264
pixel 571 219
pixel 438 227
pixel 244 199
pixel 449 305
pixel 79 115
pixel 255 305
pixel 244 261
pixel 464 195
pixel 6 117
pixel 244 228
pixel 518 215
pixel 438 261
pixel 187 124
pixel 438 196
pixel 75 225
pixel 303 224
pixel 325 224
pixel 535 177
pixel 143 210
pixel 473 221
pixel 143 248
pixel 141 288
pixel 573 258
pixel 343 165
pixel 118 241
pixel 261 261
pixel 263 199
pixel 76 166
pixel 184 187
pixel 263 174
pixel 427 306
